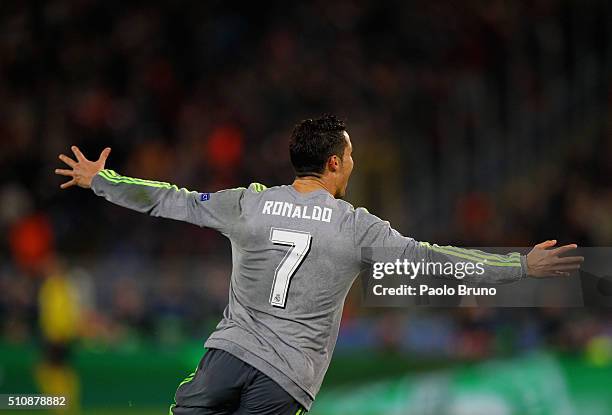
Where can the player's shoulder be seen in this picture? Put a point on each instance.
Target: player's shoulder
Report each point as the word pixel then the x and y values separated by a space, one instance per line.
pixel 345 207
pixel 256 191
pixel 357 216
pixel 260 188
pixel 257 187
pixel 352 210
pixel 235 193
pixel 253 188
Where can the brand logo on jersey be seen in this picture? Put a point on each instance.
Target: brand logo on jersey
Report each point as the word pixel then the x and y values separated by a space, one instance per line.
pixel 204 197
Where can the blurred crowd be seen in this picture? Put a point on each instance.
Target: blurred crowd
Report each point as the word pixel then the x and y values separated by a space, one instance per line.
pixel 474 123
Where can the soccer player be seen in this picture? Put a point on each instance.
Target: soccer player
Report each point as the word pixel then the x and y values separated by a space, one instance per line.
pixel 296 251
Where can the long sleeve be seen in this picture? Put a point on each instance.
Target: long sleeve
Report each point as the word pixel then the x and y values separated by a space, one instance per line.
pixel 219 210
pixel 377 241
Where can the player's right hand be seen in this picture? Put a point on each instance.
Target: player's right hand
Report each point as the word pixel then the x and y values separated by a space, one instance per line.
pixel 82 171
pixel 544 262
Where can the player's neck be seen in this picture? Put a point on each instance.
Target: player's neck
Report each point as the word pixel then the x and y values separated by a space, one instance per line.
pixel 311 183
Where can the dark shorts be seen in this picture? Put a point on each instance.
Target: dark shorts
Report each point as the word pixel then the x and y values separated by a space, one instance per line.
pixel 223 384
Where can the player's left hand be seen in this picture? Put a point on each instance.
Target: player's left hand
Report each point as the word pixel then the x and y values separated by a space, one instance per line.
pixel 545 262
pixel 82 171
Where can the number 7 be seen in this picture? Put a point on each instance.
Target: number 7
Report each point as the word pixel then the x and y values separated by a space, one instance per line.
pixel 300 246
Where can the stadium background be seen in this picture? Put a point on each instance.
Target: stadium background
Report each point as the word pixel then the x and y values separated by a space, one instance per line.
pixel 475 123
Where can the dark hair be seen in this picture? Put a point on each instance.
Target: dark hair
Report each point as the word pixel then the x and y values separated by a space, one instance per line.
pixel 314 141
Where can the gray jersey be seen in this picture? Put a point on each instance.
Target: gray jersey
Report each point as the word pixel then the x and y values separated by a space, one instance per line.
pixel 295 256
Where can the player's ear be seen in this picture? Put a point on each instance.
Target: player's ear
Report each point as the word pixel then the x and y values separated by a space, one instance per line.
pixel 333 163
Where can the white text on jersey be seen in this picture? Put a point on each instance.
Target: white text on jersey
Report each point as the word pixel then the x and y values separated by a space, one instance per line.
pixel 290 210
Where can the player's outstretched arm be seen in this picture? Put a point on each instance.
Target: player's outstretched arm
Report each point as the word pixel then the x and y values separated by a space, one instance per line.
pixel 218 210
pixel 542 261
pixel 388 245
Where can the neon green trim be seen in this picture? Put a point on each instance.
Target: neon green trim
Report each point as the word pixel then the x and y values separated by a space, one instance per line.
pixel 468 256
pixel 113 177
pixel 113 174
pixel 187 379
pixel 298 411
pixel 134 180
pixel 130 180
pixel 443 250
pixel 104 174
pixel 258 187
pixel 511 257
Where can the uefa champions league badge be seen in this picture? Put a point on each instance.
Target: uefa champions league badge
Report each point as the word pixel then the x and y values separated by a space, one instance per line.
pixel 204 197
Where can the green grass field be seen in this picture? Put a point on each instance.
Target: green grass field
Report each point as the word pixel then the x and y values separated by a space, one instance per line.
pixel 143 380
